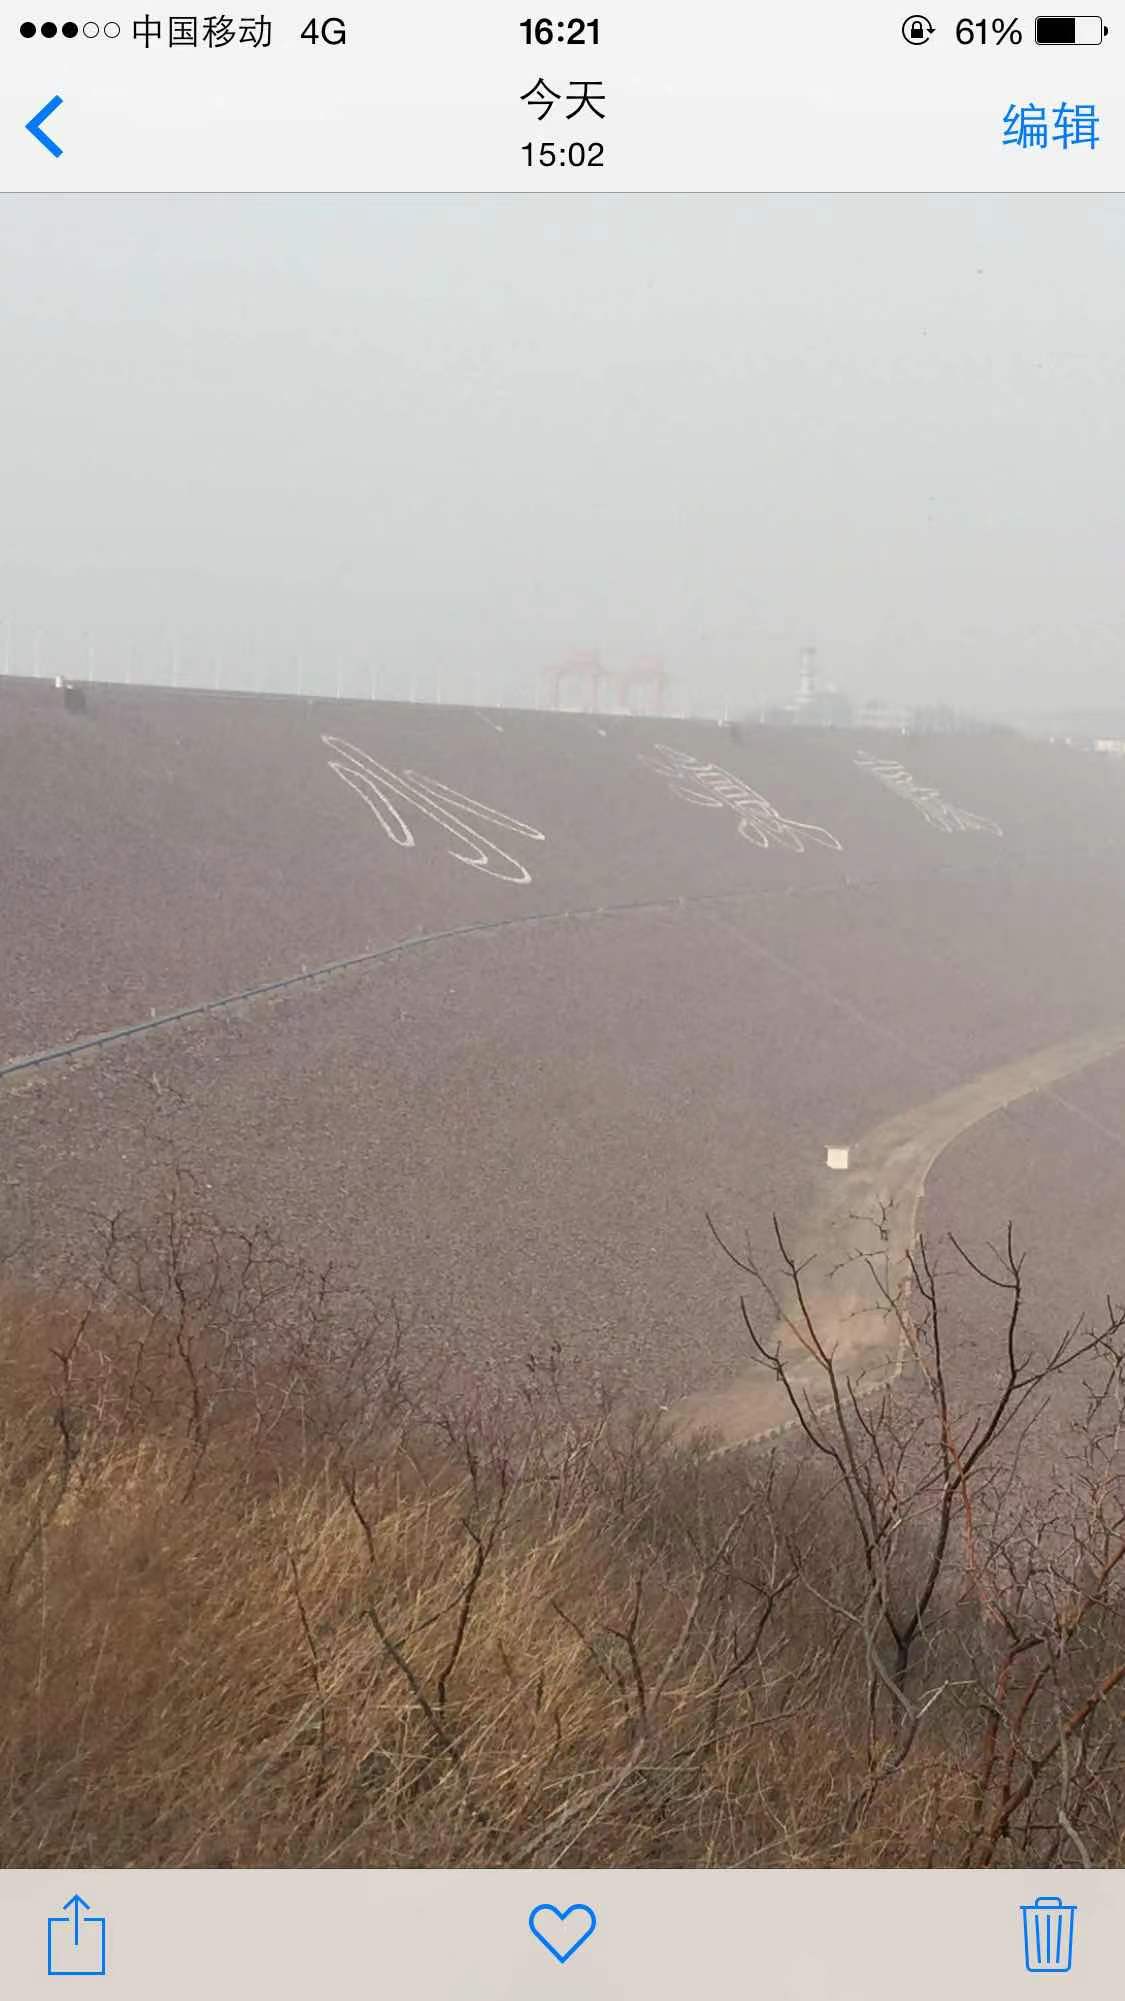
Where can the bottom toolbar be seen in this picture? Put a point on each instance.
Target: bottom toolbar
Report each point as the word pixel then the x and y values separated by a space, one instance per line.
pixel 508 1934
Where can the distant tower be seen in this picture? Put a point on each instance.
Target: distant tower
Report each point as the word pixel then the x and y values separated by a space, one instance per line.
pixel 806 690
pixel 579 679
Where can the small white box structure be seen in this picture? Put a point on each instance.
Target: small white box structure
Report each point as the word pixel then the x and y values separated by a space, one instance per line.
pixel 838 1156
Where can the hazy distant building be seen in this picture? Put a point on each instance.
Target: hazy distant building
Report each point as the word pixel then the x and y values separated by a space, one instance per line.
pixel 817 706
pixel 879 715
pixel 806 686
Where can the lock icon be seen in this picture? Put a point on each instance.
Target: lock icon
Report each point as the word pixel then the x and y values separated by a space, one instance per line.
pixel 917 29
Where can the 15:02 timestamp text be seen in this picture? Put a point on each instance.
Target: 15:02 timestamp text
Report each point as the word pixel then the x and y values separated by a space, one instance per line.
pixel 578 154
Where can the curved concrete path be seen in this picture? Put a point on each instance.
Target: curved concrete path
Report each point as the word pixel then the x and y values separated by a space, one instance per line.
pixel 886 1176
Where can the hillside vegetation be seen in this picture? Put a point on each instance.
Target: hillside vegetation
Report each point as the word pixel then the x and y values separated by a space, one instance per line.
pixel 267 1600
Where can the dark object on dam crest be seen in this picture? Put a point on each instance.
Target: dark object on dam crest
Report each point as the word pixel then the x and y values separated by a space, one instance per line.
pixel 74 697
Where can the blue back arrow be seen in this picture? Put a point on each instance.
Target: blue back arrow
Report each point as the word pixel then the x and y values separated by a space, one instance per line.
pixel 35 127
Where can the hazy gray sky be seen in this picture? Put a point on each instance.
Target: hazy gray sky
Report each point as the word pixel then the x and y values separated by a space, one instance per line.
pixel 457 437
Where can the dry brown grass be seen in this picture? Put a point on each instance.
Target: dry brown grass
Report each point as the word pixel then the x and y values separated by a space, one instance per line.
pixel 262 1602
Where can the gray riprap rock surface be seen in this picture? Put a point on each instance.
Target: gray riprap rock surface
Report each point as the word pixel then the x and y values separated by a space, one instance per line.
pixel 722 959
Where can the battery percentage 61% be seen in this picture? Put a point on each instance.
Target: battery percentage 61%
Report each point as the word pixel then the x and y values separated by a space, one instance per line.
pixel 986 31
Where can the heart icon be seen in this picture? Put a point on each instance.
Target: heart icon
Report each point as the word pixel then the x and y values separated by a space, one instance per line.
pixel 562 1932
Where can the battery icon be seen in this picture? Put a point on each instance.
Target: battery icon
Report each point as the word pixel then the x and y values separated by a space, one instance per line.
pixel 1070 30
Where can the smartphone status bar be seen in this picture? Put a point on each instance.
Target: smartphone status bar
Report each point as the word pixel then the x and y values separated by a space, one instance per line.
pixel 637 95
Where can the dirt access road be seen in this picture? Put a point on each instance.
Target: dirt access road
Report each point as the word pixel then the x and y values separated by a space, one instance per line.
pixel 852 1256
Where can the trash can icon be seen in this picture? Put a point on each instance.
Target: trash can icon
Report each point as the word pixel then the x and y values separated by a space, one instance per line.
pixel 1048 1935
